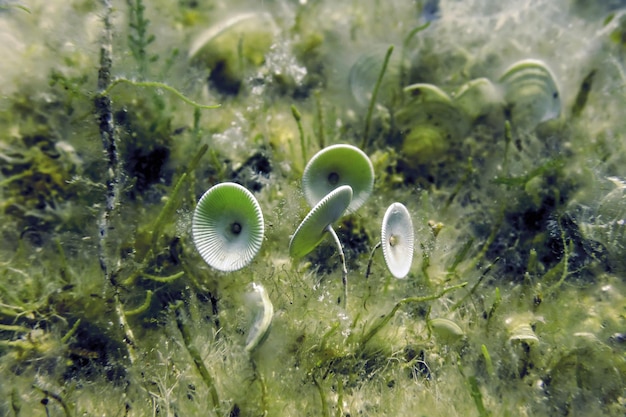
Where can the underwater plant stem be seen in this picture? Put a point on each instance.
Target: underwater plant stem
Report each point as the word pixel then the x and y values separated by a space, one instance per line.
pixel 14 328
pixel 387 318
pixel 405 46
pixel 369 262
pixel 488 361
pixel 259 377
pixel 344 269
pixel 8 311
pixel 533 263
pixel 477 396
pixel 196 132
pixel 490 240
pixel 425 261
pixel 139 39
pixel 196 158
pixel 197 359
pixel 156 85
pixel 370 109
pixel 475 286
pixel 15 6
pixel 339 412
pixel 104 113
pixel 129 337
pixel 169 278
pixel 460 256
pixel 71 332
pixel 327 335
pixel 562 265
pixel 325 412
pixel 460 184
pixel 56 397
pixel 64 269
pixel 143 307
pixel 168 210
pixel 508 138
pixel 320 121
pixel 367 274
pixel 496 303
pixel 298 118
pixel 16 177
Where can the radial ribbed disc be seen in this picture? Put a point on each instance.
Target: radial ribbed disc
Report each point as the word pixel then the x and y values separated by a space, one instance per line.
pixel 312 230
pixel 338 165
pixel 397 240
pixel 531 92
pixel 228 227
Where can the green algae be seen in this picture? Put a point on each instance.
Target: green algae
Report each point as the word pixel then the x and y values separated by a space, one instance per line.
pixel 516 305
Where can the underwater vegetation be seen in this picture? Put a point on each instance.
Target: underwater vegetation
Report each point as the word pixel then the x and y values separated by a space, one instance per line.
pixel 194 195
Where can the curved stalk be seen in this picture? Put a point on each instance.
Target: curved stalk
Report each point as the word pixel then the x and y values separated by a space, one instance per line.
pixel 344 270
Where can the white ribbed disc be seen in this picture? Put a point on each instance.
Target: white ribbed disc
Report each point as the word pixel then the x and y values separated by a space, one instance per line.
pixel 397 240
pixel 228 227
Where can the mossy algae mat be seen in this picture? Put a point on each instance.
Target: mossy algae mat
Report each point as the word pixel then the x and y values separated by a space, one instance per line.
pixel 497 125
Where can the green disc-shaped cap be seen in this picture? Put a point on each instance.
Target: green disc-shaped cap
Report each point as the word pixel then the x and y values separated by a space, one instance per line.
pixel 228 227
pixel 423 92
pixel 531 93
pixel 313 228
pixel 397 240
pixel 335 166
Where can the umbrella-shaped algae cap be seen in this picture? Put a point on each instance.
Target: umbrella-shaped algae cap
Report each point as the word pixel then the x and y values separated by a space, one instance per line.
pixel 314 227
pixel 338 165
pixel 531 93
pixel 397 240
pixel 228 227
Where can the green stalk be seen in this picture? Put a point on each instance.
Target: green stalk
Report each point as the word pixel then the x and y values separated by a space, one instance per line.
pixel 475 286
pixel 387 318
pixel 488 361
pixel 156 84
pixel 57 397
pixel 325 412
pixel 344 269
pixel 369 262
pixel 167 211
pixel 71 333
pixel 298 117
pixel 197 359
pixel 166 279
pixel 370 109
pixel 405 46
pixel 143 307
pixel 320 121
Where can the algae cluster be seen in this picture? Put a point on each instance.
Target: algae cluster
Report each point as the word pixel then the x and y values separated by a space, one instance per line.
pixel 514 304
